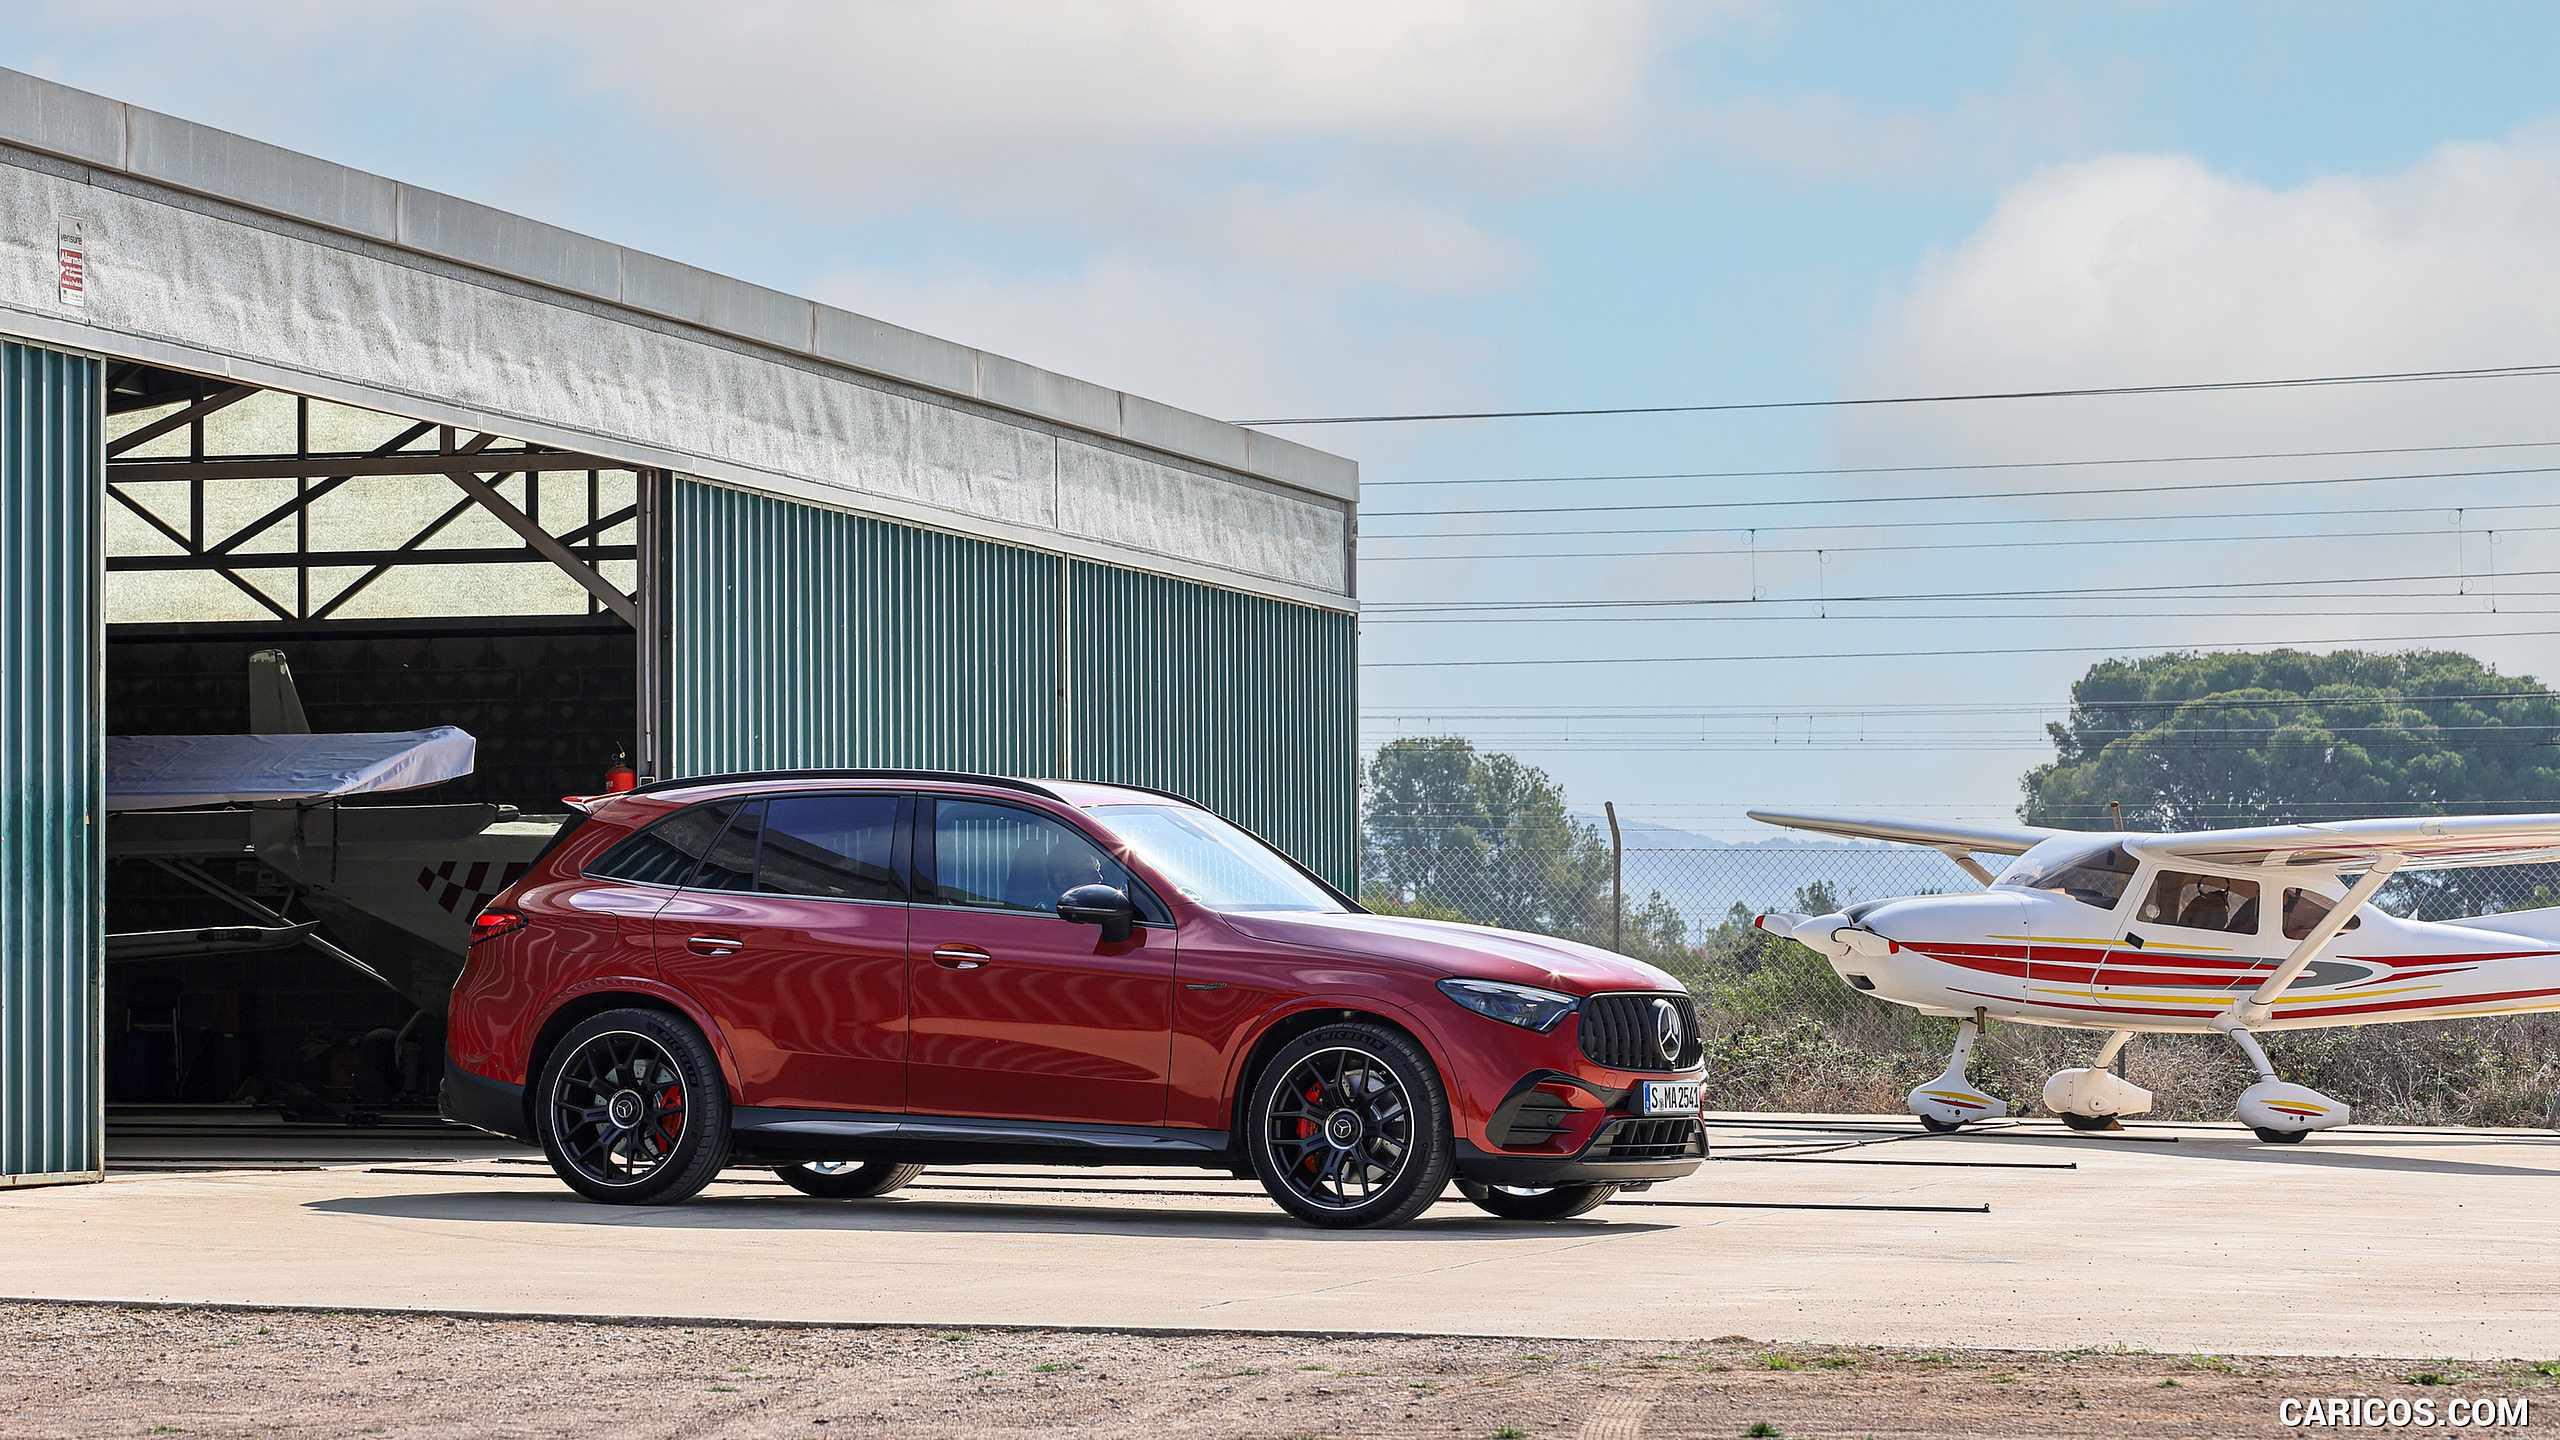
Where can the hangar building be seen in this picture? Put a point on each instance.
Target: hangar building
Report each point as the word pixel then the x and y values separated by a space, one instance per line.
pixel 445 465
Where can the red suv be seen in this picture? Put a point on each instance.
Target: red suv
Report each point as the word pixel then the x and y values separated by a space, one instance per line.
pixel 850 975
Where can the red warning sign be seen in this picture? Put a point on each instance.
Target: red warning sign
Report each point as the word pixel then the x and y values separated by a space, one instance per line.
pixel 71 252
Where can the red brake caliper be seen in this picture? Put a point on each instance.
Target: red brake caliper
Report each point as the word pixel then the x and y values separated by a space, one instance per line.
pixel 671 1114
pixel 1315 1096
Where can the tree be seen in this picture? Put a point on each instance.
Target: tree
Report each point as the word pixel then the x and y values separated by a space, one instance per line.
pixel 2200 741
pixel 2205 741
pixel 1450 832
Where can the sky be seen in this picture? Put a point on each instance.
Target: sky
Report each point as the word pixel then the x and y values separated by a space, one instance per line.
pixel 1396 206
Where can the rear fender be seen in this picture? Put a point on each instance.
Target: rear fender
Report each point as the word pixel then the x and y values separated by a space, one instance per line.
pixel 656 990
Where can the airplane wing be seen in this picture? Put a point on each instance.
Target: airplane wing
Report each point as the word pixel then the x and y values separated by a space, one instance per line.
pixel 1989 839
pixel 166 772
pixel 2423 842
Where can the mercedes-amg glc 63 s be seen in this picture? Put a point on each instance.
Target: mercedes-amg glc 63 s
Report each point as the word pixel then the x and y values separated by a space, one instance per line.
pixel 852 975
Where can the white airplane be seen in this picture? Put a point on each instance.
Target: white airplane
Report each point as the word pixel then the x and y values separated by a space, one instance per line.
pixel 2228 931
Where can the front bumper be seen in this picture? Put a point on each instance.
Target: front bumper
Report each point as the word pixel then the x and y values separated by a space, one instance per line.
pixel 1623 1148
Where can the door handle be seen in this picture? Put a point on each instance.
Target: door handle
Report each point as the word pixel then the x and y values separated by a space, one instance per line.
pixel 714 945
pixel 960 957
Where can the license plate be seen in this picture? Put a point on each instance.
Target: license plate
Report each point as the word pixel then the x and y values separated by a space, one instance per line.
pixel 1671 1097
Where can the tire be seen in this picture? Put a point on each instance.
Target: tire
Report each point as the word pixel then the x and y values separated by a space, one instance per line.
pixel 2279 1137
pixel 2091 1122
pixel 1936 1126
pixel 633 1110
pixel 1554 1202
pixel 1348 1128
pixel 847 1179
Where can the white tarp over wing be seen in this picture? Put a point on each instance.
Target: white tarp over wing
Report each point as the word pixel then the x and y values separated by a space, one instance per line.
pixel 164 772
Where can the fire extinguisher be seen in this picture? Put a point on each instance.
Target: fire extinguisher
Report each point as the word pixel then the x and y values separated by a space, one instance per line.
pixel 620 777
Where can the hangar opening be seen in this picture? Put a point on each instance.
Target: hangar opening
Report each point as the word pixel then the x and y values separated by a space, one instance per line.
pixel 276 566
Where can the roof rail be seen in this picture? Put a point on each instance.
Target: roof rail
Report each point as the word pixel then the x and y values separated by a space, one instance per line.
pixel 948 777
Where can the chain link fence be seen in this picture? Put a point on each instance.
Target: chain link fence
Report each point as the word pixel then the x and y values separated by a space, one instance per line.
pixel 1784 1034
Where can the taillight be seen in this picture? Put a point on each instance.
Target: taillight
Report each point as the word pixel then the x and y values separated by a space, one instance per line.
pixel 493 922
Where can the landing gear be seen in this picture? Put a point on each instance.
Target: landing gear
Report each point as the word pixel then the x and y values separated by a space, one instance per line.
pixel 2091 1099
pixel 1946 1103
pixel 2280 1113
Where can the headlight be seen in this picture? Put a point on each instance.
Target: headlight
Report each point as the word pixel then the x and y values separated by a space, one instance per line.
pixel 1520 1005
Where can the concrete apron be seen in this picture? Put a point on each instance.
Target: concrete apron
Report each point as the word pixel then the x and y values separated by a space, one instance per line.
pixel 2169 1238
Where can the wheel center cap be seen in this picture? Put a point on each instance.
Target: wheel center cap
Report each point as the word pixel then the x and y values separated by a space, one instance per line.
pixel 625 1108
pixel 1341 1129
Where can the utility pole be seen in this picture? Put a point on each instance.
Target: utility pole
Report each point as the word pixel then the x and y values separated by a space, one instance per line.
pixel 1617 880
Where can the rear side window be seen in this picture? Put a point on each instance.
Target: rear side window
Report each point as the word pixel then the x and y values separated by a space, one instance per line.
pixel 841 847
pixel 730 863
pixel 667 853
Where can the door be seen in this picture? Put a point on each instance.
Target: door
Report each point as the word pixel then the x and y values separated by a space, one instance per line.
pixel 1018 1014
pixel 2190 943
pixel 793 933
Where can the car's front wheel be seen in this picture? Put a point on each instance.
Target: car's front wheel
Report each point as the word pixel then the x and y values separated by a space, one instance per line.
pixel 1550 1202
pixel 632 1109
pixel 847 1179
pixel 1348 1127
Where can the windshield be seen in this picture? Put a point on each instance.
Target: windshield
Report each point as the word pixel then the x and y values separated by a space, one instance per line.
pixel 1212 862
pixel 2093 876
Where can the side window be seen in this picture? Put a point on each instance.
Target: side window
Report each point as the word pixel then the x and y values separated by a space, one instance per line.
pixel 667 852
pixel 2092 877
pixel 995 857
pixel 730 863
pixel 837 846
pixel 2202 902
pixel 2304 909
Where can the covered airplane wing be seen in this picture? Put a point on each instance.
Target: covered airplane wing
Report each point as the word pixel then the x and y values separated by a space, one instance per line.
pixel 166 772
pixel 2423 842
pixel 1989 839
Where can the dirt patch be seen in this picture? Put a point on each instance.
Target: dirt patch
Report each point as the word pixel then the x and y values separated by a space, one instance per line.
pixel 80 1370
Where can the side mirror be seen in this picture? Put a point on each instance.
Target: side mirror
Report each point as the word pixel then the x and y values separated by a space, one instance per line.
pixel 1099 905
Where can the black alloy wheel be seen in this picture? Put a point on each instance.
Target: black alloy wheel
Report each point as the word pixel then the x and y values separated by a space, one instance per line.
pixel 847 1179
pixel 2279 1137
pixel 1349 1127
pixel 1546 1202
pixel 633 1110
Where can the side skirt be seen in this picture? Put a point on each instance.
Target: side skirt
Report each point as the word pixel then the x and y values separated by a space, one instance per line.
pixel 785 1136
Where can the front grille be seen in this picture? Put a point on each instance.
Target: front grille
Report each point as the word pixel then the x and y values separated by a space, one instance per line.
pixel 1676 1137
pixel 1620 1031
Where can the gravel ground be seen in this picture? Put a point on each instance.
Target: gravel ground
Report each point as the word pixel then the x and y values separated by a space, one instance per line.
pixel 94 1370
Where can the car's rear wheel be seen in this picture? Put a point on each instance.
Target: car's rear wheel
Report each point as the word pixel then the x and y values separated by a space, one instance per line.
pixel 847 1179
pixel 1348 1127
pixel 1546 1202
pixel 632 1109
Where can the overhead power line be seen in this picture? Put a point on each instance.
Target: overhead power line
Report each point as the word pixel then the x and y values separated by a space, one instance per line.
pixel 2400 377
pixel 2111 541
pixel 1980 465
pixel 1934 654
pixel 2074 592
pixel 1953 495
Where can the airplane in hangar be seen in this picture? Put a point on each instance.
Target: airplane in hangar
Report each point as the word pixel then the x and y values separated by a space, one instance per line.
pixel 2229 932
pixel 397 883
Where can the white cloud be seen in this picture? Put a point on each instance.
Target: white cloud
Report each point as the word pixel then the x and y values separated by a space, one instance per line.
pixel 2149 269
pixel 1983 137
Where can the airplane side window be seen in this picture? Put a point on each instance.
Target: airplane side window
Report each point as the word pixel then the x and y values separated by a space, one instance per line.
pixel 2202 902
pixel 2306 908
pixel 2092 877
pixel 665 853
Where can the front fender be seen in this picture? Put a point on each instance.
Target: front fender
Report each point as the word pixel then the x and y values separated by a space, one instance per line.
pixel 1433 1044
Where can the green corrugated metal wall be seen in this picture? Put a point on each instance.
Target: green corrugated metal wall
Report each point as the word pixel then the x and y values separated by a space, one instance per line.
pixel 51 911
pixel 803 637
pixel 1245 704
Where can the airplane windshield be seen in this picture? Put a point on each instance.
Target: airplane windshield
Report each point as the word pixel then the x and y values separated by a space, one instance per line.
pixel 2091 876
